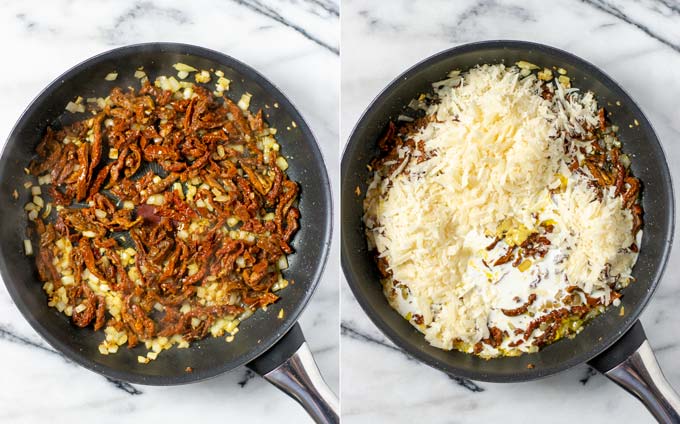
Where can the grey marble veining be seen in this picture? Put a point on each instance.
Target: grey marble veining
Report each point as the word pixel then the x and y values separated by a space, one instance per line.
pixel 295 44
pixel 635 42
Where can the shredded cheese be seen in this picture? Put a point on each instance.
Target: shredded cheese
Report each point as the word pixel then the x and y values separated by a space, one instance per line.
pixel 495 153
pixel 594 231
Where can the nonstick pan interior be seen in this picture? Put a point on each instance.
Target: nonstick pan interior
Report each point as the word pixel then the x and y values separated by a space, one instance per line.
pixel 648 163
pixel 211 356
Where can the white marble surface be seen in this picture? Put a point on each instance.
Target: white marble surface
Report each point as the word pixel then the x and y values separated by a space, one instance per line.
pixel 294 43
pixel 635 42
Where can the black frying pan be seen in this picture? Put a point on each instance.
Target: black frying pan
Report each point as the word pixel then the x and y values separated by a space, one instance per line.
pixel 612 344
pixel 265 343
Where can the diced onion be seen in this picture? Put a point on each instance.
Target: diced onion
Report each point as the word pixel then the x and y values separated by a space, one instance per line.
pixel 526 65
pixel 203 77
pixel 282 163
pixel 545 75
pixel 183 67
pixel 74 107
pixel 47 211
pixel 156 200
pixel 222 84
pixel 45 179
pixel 28 247
pixel 282 263
pixel 111 76
pixel 244 102
pixel 238 147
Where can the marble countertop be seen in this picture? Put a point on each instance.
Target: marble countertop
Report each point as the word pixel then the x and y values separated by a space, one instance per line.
pixel 295 44
pixel 635 42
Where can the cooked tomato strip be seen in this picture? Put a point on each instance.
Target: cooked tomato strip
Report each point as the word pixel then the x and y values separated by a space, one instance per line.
pixel 174 215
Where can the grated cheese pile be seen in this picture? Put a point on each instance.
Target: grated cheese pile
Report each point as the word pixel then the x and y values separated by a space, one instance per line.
pixel 494 151
pixel 597 230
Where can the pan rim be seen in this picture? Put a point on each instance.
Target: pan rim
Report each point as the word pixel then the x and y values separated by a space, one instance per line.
pixel 524 374
pixel 291 316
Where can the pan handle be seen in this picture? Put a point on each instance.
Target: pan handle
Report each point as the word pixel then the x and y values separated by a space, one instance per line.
pixel 631 364
pixel 290 366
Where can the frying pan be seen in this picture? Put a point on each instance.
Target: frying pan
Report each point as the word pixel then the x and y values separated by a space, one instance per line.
pixel 274 348
pixel 614 345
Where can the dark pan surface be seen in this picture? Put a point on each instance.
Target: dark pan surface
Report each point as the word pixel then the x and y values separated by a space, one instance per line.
pixel 208 357
pixel 649 165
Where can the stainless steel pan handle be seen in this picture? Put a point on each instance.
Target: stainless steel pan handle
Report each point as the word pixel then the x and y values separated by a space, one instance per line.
pixel 299 377
pixel 290 366
pixel 631 364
